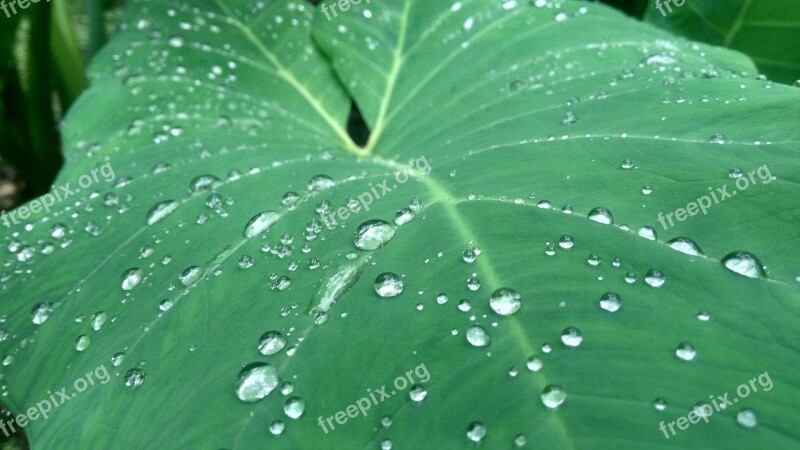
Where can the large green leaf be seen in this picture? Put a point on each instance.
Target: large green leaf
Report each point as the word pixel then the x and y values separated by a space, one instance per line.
pixel 767 30
pixel 530 117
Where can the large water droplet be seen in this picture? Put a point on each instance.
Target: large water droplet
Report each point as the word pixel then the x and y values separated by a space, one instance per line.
pixel 388 285
pixel 686 351
pixel 134 378
pixel 191 275
pixel 601 215
pixel 41 312
pixel 747 418
pixel 82 343
pixel 744 263
pixel 477 336
pixel 271 343
pixel 131 278
pixel 610 302
pixel 571 337
pixel 374 234
pixel 260 223
pixel 256 381
pixel 685 245
pixel 505 301
pixel 655 278
pixel 476 431
pixel 553 396
pixel 294 408
pixel 161 211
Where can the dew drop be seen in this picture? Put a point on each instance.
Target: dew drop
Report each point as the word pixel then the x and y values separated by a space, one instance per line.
pixel 374 234
pixel 271 343
pixel 685 245
pixel 476 431
pixel 686 351
pixel 388 285
pixel 601 215
pixel 134 378
pixel 505 301
pixel 744 263
pixel 294 408
pixel 256 381
pixel 553 396
pixel 161 210
pixel 417 393
pixel 655 278
pixel 260 223
pixel 477 336
pixel 571 337
pixel 747 418
pixel 610 302
pixel 131 278
pixel 41 312
pixel 191 275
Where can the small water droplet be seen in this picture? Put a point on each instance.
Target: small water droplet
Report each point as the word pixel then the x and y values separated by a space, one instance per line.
pixel 685 245
pixel 388 285
pixel 655 278
pixel 161 210
pixel 747 418
pixel 610 302
pixel 417 393
pixel 294 408
pixel 601 215
pixel 131 278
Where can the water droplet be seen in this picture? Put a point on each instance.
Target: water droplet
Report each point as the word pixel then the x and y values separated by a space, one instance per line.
pixel 747 418
pixel 271 343
pixel 476 431
pixel 601 215
pixel 505 301
pixel 477 336
pixel 41 312
pixel 203 183
pixel 534 364
pixel 256 381
pixel 388 285
pixel 610 302
pixel 321 183
pixel 134 378
pixel 571 337
pixel 277 427
pixel 566 242
pixel 417 393
pixel 374 234
pixel 469 256
pixel 473 283
pixel 131 278
pixel 660 404
pixel 648 233
pixel 685 245
pixel 718 139
pixel 165 305
pixel 404 216
pixel 161 211
pixel 553 396
pixel 464 305
pixel 655 278
pixel 686 351
pixel 98 319
pixel 191 275
pixel 744 263
pixel 294 408
pixel 82 343
pixel 260 223
pixel 703 316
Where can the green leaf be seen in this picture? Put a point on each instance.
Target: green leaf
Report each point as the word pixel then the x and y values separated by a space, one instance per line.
pixel 501 127
pixel 765 30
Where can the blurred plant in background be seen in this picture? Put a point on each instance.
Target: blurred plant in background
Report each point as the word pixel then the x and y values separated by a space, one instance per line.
pixel 44 50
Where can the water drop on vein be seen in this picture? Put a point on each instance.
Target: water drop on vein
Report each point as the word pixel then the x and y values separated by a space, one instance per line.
pixel 505 301
pixel 256 381
pixel 553 396
pixel 260 223
pixel 374 234
pixel 745 264
pixel 161 210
